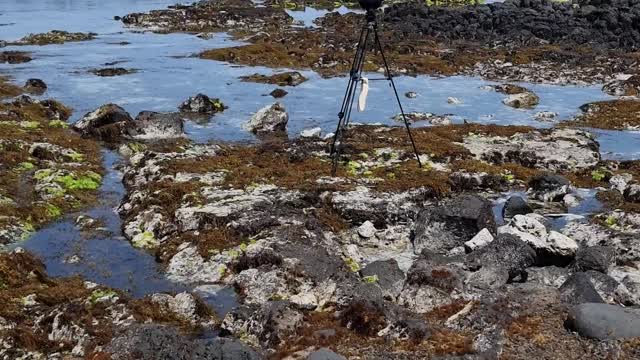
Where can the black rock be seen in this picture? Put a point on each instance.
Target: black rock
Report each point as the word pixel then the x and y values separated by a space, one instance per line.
pixel 603 321
pixel 597 258
pixel 110 72
pixel 155 342
pixel 578 289
pixel 108 123
pixel 515 205
pixel 507 252
pixel 278 93
pixel 35 86
pixel 448 225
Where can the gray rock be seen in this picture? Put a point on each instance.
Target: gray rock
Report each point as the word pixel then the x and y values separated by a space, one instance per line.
pixel 578 289
pixel 433 119
pixel 325 354
pixel 610 290
pixel 597 258
pixel 279 93
pixel 545 116
pixel 154 125
pixel 155 342
pixel 367 230
pixel 620 182
pixel 561 149
pixel 448 225
pixel 389 276
pixel 273 118
pixel 515 205
pixel 603 321
pixel 411 94
pixel 107 123
pixel 52 152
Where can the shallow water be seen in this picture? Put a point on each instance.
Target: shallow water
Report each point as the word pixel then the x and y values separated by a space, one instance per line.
pixel 167 75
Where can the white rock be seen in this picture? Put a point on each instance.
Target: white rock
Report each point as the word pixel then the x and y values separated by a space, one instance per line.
pixel 525 100
pixel 620 182
pixel 571 200
pixel 545 115
pixel 268 119
pixel 527 228
pixel 367 230
pixel 454 101
pixel 411 94
pixel 482 239
pixel 308 133
pixel 561 245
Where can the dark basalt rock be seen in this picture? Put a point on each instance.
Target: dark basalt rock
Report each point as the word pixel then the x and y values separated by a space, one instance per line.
pixel 202 104
pixel 35 86
pixel 506 252
pixel 107 123
pixel 448 225
pixel 610 24
pixel 278 93
pixel 515 205
pixel 161 342
pixel 386 274
pixel 549 187
pixel 578 289
pixel 597 258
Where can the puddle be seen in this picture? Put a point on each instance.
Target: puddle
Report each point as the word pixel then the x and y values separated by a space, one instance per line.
pixel 587 206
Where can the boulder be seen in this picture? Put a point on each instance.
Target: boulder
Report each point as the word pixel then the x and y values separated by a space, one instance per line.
pixel 35 86
pixel 272 118
pixel 202 104
pixel 367 230
pixel 289 78
pixel 107 123
pixel 545 116
pixel 386 274
pixel 603 321
pixel 452 223
pixel 549 187
pixel 632 193
pixel 110 72
pixel 597 258
pixel 515 205
pixel 525 100
pixel 506 252
pixel 620 182
pixel 454 101
pixel 578 289
pixel 411 94
pixel 482 239
pixel 154 125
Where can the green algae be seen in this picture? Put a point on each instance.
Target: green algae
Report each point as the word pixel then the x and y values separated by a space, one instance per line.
pixel 59 124
pixel 53 211
pixel 89 181
pixel 145 240
pixel 99 294
pixel 371 279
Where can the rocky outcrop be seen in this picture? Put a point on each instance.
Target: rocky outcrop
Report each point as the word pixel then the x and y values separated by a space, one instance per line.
pixel 517 96
pixel 270 119
pixel 54 37
pixel 433 119
pixel 451 224
pixel 35 86
pixel 109 72
pixel 557 150
pixel 107 123
pixel 14 57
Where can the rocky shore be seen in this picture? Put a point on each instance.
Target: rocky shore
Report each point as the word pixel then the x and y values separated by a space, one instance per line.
pixel 509 242
pixel 548 42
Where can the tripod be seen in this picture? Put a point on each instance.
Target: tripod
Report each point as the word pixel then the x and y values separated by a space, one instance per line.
pixel 369 29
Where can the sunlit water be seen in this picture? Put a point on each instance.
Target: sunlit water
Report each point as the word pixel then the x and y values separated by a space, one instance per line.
pixel 168 74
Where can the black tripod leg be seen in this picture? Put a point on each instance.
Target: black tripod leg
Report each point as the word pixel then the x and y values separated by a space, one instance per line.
pixel 395 91
pixel 347 102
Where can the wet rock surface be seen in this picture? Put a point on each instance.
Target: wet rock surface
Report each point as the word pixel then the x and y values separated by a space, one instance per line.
pixel 614 114
pixel 201 104
pixel 14 57
pixel 291 78
pixel 108 72
pixel 54 37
